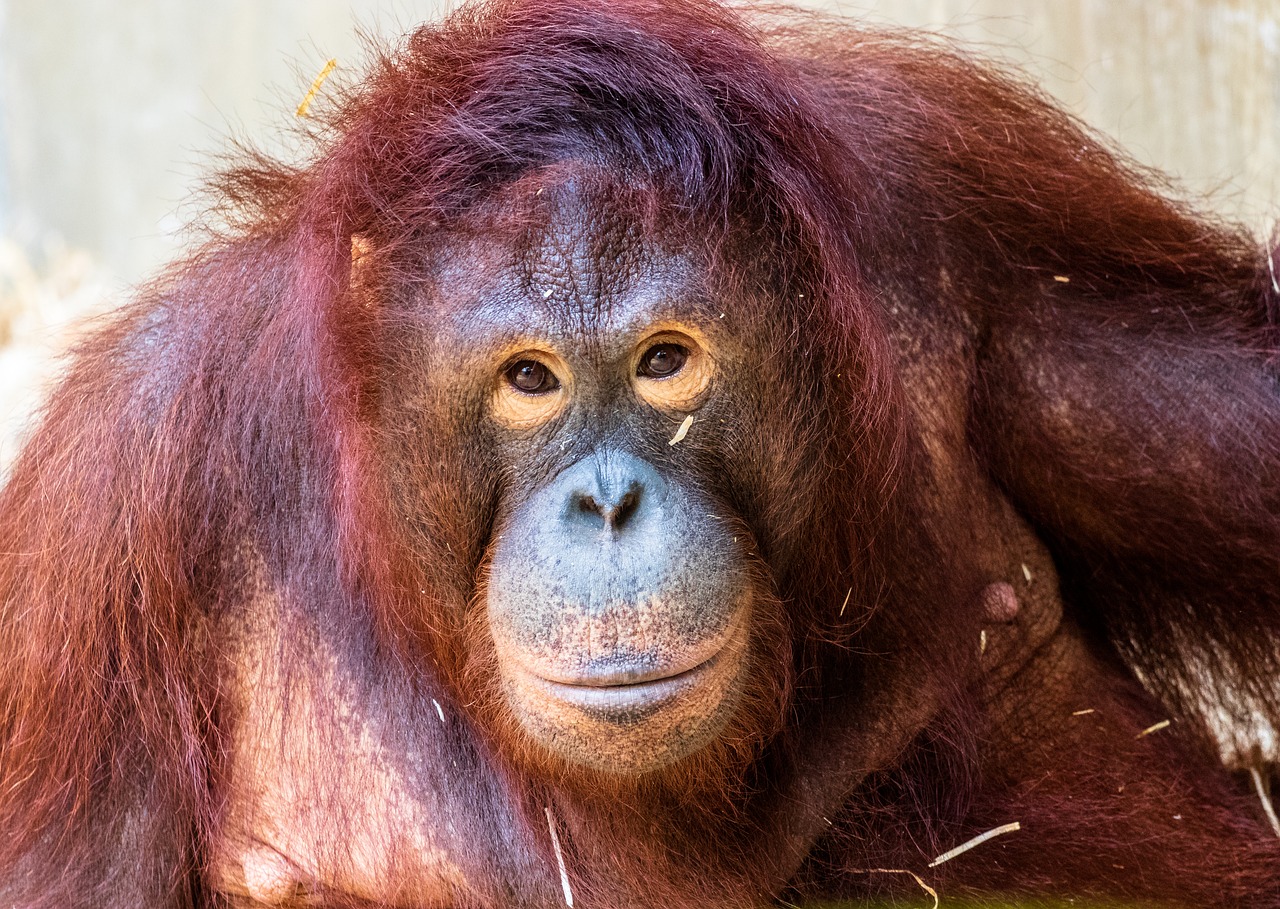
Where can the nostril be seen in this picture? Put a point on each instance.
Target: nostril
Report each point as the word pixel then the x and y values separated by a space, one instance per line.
pixel 615 514
pixel 625 508
pixel 611 491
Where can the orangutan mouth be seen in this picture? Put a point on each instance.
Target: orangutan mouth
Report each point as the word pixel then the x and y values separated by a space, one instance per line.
pixel 623 690
pixel 618 687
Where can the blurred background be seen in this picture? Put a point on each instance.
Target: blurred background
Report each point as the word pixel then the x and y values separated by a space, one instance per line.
pixel 110 110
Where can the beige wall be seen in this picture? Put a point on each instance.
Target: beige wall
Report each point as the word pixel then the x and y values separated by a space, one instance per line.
pixel 109 109
pixel 1189 86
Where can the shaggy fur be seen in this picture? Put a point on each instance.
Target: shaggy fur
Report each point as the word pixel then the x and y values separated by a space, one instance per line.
pixel 950 414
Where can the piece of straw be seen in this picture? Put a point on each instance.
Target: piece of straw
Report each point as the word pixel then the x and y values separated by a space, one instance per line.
pixel 682 431
pixel 919 880
pixel 305 106
pixel 1263 796
pixel 564 874
pixel 976 841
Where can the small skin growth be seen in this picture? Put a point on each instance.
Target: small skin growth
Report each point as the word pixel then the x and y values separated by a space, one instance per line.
pixel 656 454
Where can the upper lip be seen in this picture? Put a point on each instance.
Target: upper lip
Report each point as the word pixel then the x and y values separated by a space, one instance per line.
pixel 625 676
pixel 633 670
pixel 651 689
pixel 633 673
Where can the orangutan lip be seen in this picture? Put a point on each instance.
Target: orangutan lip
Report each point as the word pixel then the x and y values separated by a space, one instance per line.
pixel 617 695
pixel 628 690
pixel 626 678
pixel 624 689
pixel 634 678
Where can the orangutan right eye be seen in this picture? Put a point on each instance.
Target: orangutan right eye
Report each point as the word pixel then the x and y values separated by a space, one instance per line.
pixel 532 377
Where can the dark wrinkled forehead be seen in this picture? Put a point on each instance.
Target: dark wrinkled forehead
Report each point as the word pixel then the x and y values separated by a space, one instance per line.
pixel 574 248
pixel 585 244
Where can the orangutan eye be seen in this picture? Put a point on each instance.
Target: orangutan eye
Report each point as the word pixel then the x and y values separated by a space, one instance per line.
pixel 532 377
pixel 662 360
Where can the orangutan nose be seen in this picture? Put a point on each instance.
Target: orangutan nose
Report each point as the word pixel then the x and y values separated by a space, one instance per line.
pixel 613 513
pixel 611 490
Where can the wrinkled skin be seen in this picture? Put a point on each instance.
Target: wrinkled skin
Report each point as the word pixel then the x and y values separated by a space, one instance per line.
pixel 617 596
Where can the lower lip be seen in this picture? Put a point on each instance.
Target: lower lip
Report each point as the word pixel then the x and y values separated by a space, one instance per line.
pixel 624 697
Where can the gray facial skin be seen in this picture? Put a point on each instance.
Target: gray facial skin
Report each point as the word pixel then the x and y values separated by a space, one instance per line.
pixel 619 613
pixel 616 589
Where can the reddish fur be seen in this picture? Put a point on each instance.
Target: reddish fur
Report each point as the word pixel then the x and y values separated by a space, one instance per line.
pixel 237 400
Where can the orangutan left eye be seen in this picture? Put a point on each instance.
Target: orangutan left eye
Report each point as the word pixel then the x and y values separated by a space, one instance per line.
pixel 662 360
